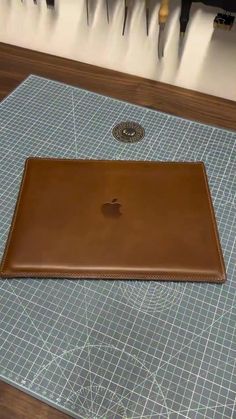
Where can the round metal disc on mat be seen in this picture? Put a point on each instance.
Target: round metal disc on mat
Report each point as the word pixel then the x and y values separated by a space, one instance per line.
pixel 128 132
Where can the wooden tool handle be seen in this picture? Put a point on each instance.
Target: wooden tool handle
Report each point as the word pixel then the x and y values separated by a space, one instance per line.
pixel 164 11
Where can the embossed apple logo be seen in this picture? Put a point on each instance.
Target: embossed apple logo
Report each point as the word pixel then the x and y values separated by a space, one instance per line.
pixel 111 209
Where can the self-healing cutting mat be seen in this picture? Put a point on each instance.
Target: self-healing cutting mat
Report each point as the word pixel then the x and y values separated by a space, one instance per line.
pixel 117 349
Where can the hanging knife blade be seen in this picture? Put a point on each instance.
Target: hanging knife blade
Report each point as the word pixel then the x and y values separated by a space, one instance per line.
pixel 87 11
pixel 147 5
pixel 50 4
pixel 107 8
pixel 184 18
pixel 163 15
pixel 125 15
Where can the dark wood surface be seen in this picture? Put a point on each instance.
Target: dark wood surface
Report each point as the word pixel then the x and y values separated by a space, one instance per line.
pixel 17 63
pixel 14 404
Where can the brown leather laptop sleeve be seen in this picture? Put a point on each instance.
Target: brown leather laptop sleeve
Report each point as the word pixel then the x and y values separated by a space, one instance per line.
pixel 114 219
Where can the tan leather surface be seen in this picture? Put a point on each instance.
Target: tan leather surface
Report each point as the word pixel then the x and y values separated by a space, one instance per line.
pixel 114 219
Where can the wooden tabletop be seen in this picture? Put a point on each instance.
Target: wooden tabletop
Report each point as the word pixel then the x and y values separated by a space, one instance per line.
pixel 14 404
pixel 17 63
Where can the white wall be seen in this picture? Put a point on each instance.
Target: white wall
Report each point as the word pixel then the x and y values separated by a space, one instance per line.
pixel 208 63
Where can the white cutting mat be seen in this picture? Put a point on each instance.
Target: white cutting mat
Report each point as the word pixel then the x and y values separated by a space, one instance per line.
pixel 115 349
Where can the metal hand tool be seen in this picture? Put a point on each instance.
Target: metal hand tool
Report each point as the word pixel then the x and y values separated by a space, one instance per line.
pixel 163 15
pixel 184 18
pixel 229 5
pixel 50 3
pixel 87 11
pixel 107 8
pixel 125 15
pixel 224 21
pixel 147 5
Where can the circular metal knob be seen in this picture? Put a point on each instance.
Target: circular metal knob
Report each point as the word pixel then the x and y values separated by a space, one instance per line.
pixel 128 132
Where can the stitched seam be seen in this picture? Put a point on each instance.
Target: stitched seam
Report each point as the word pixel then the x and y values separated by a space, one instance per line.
pixel 213 219
pixel 75 275
pixel 118 161
pixel 4 259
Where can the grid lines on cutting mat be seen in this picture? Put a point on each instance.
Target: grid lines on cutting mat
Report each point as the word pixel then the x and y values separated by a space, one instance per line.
pixel 117 349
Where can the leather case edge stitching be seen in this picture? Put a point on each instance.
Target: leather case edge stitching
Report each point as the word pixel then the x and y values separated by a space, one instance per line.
pixel 213 219
pixel 4 258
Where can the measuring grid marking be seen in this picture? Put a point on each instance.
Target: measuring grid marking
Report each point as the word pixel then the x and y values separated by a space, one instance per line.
pixel 117 349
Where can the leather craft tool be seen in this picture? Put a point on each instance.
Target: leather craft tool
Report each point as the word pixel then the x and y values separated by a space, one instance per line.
pixel 227 5
pixel 87 11
pixel 50 4
pixel 184 18
pixel 163 15
pixel 125 15
pixel 147 6
pixel 224 21
pixel 107 9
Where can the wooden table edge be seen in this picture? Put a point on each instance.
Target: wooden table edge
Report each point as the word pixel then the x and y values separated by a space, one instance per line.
pixel 18 63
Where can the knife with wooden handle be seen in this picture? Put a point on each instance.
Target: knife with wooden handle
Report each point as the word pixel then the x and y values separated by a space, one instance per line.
pixel 163 16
